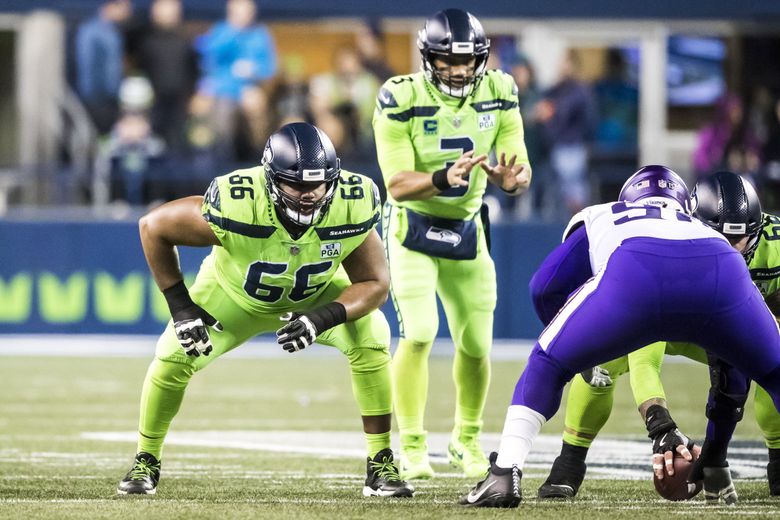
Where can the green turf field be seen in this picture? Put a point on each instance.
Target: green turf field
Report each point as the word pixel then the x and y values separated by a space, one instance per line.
pixel 50 469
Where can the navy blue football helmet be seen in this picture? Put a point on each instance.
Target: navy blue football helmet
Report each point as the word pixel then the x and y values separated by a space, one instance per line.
pixel 456 37
pixel 300 155
pixel 659 186
pixel 729 204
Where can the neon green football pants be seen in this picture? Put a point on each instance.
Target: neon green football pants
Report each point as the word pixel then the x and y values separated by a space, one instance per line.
pixel 365 343
pixel 467 290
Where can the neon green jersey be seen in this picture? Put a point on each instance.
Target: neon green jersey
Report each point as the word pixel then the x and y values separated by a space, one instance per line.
pixel 765 264
pixel 417 128
pixel 260 266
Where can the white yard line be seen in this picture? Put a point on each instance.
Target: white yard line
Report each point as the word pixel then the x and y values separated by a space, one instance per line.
pixel 609 458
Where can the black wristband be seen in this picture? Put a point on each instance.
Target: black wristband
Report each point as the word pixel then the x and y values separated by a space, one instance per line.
pixel 327 316
pixel 439 180
pixel 178 297
pixel 658 420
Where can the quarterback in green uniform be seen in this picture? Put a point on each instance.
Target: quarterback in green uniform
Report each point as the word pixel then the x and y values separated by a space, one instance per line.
pixel 729 204
pixel 292 240
pixel 433 132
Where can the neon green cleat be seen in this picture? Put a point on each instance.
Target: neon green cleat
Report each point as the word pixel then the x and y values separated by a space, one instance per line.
pixel 465 453
pixel 414 463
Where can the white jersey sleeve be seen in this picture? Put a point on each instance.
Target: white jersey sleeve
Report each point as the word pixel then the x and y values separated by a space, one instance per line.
pixel 608 225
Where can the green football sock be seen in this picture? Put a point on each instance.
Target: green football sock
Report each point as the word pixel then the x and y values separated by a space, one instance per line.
pixel 371 383
pixel 472 378
pixel 587 410
pixel 376 442
pixel 410 384
pixel 161 398
pixel 767 417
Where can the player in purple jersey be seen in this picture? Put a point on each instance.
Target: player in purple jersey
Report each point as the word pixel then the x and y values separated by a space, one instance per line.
pixel 659 275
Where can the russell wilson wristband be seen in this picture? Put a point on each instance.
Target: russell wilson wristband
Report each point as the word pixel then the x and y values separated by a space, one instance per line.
pixel 439 180
pixel 327 316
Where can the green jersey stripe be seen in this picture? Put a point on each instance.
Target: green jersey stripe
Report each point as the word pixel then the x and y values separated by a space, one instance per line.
pixel 348 230
pixel 240 228
pixel 409 113
pixel 494 104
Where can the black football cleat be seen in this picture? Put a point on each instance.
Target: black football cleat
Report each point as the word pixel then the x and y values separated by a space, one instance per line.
pixel 142 478
pixel 565 478
pixel 500 488
pixel 773 476
pixel 718 486
pixel 382 479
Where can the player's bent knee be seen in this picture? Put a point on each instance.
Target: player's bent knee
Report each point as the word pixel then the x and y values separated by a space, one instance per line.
pixel 416 347
pixel 368 360
pixel 170 374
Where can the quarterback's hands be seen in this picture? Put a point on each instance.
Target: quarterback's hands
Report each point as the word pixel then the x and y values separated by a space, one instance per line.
pixel 597 376
pixel 510 177
pixel 297 334
pixel 462 167
pixel 666 445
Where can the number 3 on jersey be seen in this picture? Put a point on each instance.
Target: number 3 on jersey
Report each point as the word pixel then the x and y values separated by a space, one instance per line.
pixel 463 145
pixel 255 288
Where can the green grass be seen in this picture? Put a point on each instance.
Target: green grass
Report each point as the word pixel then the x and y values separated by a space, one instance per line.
pixel 48 470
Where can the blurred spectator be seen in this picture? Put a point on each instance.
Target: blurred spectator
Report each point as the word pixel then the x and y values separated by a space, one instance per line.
pixel 342 103
pixel 99 61
pixel 618 103
pixel 528 95
pixel 567 115
pixel 235 54
pixel 255 123
pixel 290 95
pixel 770 178
pixel 201 137
pixel 133 148
pixel 728 142
pixel 167 58
pixel 370 47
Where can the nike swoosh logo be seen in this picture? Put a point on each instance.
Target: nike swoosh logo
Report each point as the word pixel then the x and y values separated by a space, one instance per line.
pixel 561 486
pixel 474 497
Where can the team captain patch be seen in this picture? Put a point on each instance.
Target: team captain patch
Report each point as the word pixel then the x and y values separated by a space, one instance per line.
pixel 330 250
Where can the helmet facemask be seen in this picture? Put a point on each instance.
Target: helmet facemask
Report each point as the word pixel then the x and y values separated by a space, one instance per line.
pixel 457 86
pixel 299 211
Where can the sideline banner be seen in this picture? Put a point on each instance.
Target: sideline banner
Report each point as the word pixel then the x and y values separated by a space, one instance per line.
pixel 91 277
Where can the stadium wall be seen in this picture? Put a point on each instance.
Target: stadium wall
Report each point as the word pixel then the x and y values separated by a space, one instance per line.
pixel 91 277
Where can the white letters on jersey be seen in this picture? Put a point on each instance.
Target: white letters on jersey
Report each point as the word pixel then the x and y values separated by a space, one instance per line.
pixel 608 225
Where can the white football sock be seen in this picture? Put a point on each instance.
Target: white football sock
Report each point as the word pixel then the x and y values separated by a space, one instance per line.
pixel 521 427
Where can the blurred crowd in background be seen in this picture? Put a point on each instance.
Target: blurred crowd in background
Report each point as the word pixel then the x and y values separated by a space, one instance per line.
pixel 175 107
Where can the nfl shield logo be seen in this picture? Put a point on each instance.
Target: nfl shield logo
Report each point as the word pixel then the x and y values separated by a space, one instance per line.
pixel 294 250
pixel 456 122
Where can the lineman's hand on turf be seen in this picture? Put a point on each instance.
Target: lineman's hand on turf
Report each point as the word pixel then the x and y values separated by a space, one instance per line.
pixel 297 334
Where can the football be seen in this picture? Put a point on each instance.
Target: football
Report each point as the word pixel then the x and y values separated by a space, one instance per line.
pixel 677 487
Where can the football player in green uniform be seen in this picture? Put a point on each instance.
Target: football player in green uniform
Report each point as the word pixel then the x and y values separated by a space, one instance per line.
pixel 729 204
pixel 434 130
pixel 292 240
